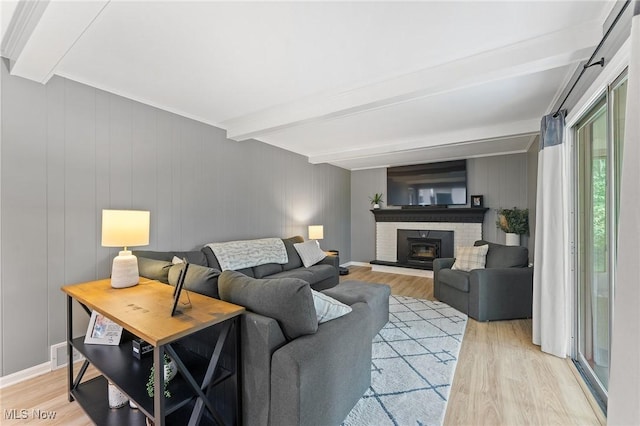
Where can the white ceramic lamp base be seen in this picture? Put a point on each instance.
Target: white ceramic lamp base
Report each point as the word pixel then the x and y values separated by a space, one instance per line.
pixel 124 271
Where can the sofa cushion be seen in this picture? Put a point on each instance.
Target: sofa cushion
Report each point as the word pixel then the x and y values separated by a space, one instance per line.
pixel 310 253
pixel 287 300
pixel 246 271
pixel 201 279
pixel 468 258
pixel 294 259
pixel 194 257
pixel 212 260
pixel 300 273
pixel 501 256
pixel 328 308
pixel 154 269
pixel 456 279
pixel 261 271
pixel 321 272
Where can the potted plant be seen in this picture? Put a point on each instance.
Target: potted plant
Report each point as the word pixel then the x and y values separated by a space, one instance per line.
pixel 376 200
pixel 170 371
pixel 514 222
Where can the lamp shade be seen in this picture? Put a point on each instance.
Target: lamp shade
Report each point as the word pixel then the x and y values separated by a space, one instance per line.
pixel 316 232
pixel 125 228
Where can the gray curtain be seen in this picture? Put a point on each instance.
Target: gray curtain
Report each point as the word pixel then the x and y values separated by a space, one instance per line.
pixel 551 321
pixel 552 130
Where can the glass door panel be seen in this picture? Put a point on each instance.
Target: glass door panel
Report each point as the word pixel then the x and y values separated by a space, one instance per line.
pixel 599 137
pixel 593 282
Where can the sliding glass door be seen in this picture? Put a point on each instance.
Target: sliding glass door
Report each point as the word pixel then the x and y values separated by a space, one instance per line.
pixel 598 140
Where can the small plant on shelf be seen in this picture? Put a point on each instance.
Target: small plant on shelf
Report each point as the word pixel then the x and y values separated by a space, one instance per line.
pixel 168 375
pixel 513 221
pixel 376 200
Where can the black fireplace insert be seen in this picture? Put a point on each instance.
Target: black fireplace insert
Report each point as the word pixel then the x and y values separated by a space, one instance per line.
pixel 419 248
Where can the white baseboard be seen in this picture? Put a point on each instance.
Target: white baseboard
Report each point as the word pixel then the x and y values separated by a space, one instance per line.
pixel 57 360
pixel 393 269
pixel 357 264
pixel 26 374
pixel 402 271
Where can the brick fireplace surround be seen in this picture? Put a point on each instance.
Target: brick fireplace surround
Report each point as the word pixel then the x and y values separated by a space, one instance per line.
pixel 466 224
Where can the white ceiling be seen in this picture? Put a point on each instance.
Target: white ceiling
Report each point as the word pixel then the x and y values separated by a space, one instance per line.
pixel 355 84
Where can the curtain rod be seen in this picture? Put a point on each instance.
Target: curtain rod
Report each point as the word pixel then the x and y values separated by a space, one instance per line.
pixel 595 52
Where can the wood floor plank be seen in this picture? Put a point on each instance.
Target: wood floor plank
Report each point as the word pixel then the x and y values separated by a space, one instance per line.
pixel 501 377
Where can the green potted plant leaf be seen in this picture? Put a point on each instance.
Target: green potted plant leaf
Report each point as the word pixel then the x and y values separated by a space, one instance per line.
pixel 514 222
pixel 170 371
pixel 376 200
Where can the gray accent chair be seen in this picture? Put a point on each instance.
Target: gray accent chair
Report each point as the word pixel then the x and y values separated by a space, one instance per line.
pixel 501 291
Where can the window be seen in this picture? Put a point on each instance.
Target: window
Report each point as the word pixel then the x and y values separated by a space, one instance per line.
pixel 598 135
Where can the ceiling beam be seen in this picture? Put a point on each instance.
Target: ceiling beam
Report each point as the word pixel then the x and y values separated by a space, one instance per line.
pixel 531 56
pixel 42 32
pixel 465 136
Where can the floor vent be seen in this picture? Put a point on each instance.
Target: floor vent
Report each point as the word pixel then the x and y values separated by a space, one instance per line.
pixel 59 356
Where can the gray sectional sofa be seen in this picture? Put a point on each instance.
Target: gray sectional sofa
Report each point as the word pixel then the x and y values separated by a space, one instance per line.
pixel 313 375
pixel 205 268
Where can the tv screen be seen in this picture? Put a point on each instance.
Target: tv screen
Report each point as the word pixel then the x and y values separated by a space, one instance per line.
pixel 433 184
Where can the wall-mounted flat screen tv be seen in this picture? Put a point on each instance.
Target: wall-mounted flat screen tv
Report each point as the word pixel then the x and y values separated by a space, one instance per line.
pixel 433 184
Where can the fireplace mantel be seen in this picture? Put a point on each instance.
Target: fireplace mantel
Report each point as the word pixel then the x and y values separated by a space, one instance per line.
pixel 452 215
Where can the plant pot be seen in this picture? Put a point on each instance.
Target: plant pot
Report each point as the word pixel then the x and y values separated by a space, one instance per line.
pixel 117 398
pixel 170 370
pixel 376 206
pixel 512 239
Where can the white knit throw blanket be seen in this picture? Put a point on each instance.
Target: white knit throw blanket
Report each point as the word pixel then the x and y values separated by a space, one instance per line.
pixel 234 255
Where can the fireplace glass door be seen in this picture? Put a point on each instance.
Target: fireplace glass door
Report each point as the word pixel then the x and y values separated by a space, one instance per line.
pixel 423 250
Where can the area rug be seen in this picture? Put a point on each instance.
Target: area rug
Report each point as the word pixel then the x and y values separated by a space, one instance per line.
pixel 414 359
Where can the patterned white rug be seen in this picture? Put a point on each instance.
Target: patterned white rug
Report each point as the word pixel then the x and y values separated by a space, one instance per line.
pixel 414 359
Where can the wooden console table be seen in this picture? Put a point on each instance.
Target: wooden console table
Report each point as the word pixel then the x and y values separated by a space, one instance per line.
pixel 145 311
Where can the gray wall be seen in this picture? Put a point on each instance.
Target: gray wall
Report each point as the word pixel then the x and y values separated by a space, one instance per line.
pixel 69 150
pixel 503 180
pixel 365 183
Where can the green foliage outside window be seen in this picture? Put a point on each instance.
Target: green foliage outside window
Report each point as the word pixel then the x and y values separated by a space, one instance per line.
pixel 599 212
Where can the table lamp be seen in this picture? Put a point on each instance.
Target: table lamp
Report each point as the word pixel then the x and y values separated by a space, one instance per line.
pixel 125 228
pixel 316 232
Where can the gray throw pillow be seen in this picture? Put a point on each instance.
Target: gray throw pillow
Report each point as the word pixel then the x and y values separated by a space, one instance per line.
pixel 200 279
pixel 501 256
pixel 154 269
pixel 287 300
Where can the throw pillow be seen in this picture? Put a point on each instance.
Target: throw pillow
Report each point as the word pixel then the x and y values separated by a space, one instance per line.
pixel 200 279
pixel 328 308
pixel 309 252
pixel 154 269
pixel 287 300
pixel 469 258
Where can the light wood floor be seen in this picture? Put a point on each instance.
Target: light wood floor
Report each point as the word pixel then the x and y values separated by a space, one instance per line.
pixel 501 377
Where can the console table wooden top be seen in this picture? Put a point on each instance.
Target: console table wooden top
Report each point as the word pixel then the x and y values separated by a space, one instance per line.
pixel 145 309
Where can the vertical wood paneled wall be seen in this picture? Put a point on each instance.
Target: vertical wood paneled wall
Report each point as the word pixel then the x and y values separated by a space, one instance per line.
pixel 503 180
pixel 69 150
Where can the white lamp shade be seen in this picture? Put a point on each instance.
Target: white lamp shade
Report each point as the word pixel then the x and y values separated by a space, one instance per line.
pixel 316 232
pixel 125 228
